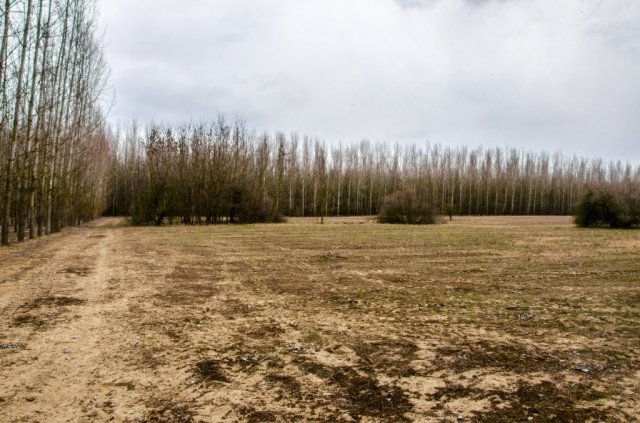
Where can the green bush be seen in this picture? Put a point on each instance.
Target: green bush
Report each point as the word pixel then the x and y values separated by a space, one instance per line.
pixel 603 208
pixel 154 207
pixel 247 207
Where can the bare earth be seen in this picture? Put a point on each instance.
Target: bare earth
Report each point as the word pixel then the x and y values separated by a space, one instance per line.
pixel 480 319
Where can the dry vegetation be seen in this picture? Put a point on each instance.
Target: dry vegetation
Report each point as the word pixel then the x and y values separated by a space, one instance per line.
pixel 480 319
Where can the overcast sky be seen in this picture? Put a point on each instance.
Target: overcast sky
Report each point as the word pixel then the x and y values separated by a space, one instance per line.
pixel 533 74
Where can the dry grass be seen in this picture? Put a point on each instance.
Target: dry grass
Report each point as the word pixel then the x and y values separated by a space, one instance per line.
pixel 480 319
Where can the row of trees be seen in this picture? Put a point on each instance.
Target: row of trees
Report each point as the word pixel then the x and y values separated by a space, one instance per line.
pixel 54 157
pixel 221 172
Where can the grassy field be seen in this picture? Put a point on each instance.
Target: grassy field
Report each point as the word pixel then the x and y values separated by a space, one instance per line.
pixel 480 319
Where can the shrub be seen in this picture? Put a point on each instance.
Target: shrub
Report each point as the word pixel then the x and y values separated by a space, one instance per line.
pixel 247 207
pixel 409 208
pixel 154 206
pixel 603 208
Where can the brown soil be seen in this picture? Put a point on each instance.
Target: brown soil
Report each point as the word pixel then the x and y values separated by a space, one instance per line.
pixel 480 320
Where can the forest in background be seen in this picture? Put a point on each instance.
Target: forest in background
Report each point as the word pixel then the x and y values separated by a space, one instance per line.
pixel 220 172
pixel 61 165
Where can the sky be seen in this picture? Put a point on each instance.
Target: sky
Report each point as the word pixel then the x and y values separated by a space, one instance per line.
pixel 534 75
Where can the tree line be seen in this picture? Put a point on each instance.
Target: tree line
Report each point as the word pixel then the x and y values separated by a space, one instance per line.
pixel 53 147
pixel 221 172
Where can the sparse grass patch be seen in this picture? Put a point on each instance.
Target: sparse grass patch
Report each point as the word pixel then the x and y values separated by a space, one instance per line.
pixel 360 394
pixel 52 301
pixel 77 270
pixel 168 411
pixel 210 371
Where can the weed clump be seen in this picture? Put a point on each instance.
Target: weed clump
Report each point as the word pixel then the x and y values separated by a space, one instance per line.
pixel 209 370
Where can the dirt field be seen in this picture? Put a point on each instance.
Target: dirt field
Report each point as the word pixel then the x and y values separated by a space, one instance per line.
pixel 480 319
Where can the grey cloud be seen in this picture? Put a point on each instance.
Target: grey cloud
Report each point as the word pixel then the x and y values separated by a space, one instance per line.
pixel 497 72
pixel 408 4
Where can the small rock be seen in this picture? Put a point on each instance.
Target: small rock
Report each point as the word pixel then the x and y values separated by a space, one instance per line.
pixel 584 368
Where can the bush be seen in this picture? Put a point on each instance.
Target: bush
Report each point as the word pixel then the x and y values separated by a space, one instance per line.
pixel 409 208
pixel 602 208
pixel 154 207
pixel 247 207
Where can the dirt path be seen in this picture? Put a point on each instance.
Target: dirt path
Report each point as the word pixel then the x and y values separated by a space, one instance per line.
pixel 57 316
